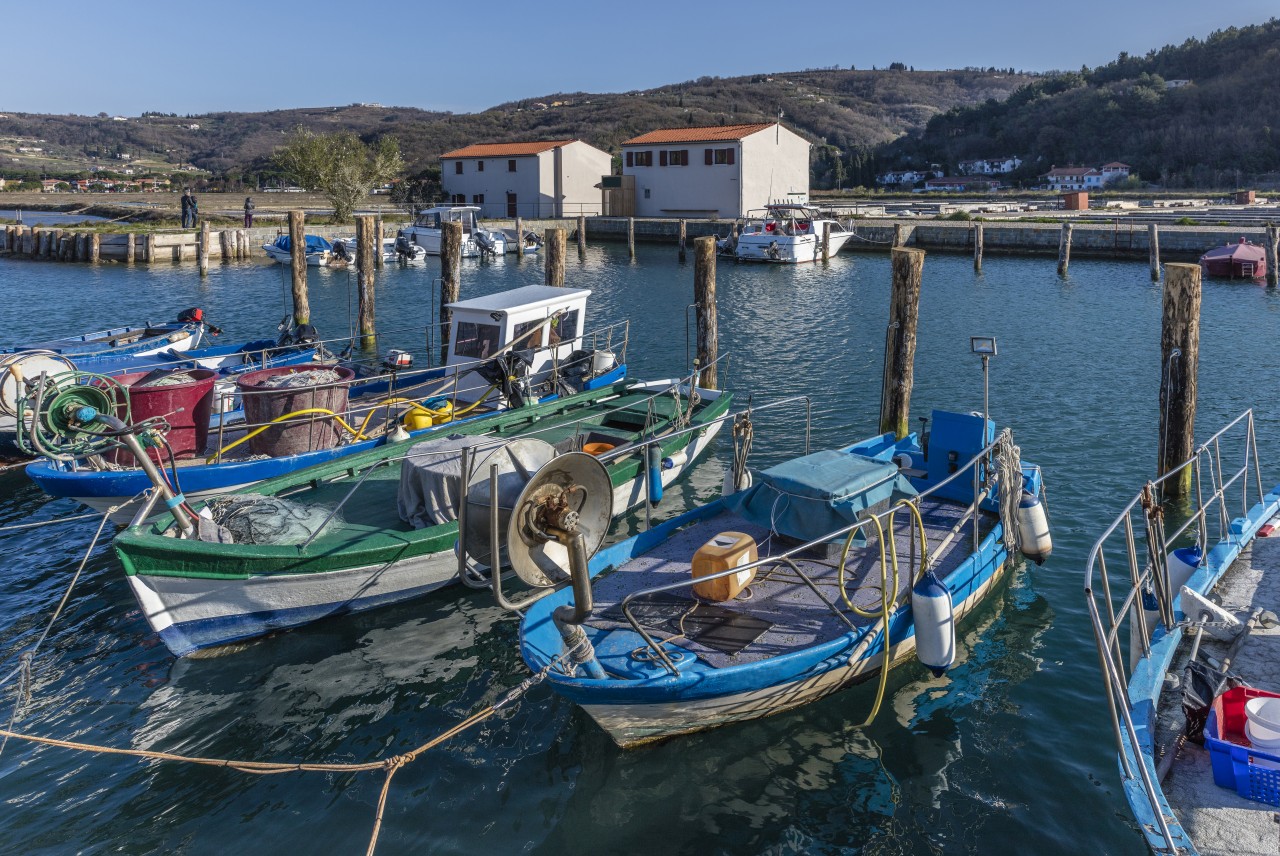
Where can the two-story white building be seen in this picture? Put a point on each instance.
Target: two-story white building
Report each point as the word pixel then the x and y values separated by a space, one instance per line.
pixel 716 171
pixel 1114 171
pixel 1073 178
pixel 550 178
pixel 989 166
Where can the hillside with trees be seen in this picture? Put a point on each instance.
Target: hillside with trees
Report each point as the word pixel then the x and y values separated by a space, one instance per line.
pixel 1203 114
pixel 846 113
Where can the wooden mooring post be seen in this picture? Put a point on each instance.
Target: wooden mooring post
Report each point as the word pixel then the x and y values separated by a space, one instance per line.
pixel 95 248
pixel 298 257
pixel 151 247
pixel 582 235
pixel 826 241
pixel 130 248
pixel 1179 364
pixel 450 284
pixel 202 248
pixel 1153 250
pixel 1273 255
pixel 1064 249
pixel 553 243
pixel 897 235
pixel 704 298
pixel 378 261
pixel 366 278
pixel 631 238
pixel 684 240
pixel 519 240
pixel 900 341
pixel 977 247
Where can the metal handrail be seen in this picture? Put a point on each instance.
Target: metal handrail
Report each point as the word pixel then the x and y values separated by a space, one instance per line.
pixel 1140 573
pixel 1005 435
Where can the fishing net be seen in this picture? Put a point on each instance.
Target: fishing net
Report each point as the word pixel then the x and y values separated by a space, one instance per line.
pixel 267 519
pixel 300 380
pixel 166 380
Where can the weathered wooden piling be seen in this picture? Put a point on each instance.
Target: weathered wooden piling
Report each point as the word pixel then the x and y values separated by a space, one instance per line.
pixel 95 248
pixel 1273 254
pixel 683 241
pixel 151 248
pixel 298 257
pixel 130 248
pixel 46 244
pixel 242 243
pixel 1064 249
pixel 631 238
pixel 4 239
pixel 1179 365
pixel 554 243
pixel 704 298
pixel 900 344
pixel 826 241
pixel 378 260
pixel 519 240
pixel 582 235
pixel 64 247
pixel 977 247
pixel 225 245
pixel 450 279
pixel 897 235
pixel 1153 251
pixel 366 252
pixel 202 248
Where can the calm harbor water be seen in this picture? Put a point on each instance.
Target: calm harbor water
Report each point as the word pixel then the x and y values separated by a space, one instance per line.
pixel 1008 753
pixel 46 218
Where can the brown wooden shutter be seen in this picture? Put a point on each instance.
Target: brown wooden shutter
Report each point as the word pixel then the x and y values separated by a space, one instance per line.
pixel 730 157
pixel 710 157
pixel 630 159
pixel 662 158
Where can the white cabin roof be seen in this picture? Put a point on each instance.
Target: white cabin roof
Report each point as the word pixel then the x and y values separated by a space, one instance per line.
pixel 529 297
pixel 445 209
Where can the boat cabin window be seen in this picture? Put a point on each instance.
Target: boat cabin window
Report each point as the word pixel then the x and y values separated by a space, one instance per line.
pixel 566 328
pixel 477 341
pixel 430 221
pixel 534 341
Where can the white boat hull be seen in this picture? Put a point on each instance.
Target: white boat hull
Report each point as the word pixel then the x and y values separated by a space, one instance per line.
pixel 190 614
pixel 787 249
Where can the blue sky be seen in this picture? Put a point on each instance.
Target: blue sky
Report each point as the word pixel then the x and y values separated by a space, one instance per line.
pixel 184 57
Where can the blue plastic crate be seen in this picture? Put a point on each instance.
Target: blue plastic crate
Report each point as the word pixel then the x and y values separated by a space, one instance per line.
pixel 1252 774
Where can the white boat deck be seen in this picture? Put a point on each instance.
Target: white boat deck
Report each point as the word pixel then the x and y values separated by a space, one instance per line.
pixel 1220 822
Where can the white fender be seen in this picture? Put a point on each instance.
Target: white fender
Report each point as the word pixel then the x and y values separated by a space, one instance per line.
pixel 935 624
pixel 1183 562
pixel 26 365
pixel 1034 539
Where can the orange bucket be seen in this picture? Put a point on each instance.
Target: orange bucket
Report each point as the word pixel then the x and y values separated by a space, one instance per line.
pixel 597 449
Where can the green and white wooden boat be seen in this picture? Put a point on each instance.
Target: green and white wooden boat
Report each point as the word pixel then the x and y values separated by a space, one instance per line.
pixel 342 542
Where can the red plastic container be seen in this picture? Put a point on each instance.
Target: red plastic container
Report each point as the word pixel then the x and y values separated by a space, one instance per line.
pixel 306 432
pixel 1251 773
pixel 185 406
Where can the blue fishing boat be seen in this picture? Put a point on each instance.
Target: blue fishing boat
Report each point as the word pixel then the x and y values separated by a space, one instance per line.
pixel 1192 687
pixel 507 349
pixel 134 340
pixel 826 571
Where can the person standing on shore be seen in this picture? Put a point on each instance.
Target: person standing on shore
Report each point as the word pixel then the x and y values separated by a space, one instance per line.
pixel 195 210
pixel 248 212
pixel 188 202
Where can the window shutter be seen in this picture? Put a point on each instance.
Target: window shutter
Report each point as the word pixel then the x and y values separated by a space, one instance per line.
pixel 710 157
pixel 662 158
pixel 630 159
pixel 730 158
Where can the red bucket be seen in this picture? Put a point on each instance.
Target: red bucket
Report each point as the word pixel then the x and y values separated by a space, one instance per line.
pixel 308 431
pixel 185 405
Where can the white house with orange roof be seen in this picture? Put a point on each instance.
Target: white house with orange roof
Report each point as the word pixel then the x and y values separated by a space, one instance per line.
pixel 716 171
pixel 548 178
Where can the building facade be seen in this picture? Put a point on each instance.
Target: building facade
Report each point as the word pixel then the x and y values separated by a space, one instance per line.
pixel 989 166
pixel 549 178
pixel 716 171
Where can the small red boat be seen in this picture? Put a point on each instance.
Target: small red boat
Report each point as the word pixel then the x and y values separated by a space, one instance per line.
pixel 1236 261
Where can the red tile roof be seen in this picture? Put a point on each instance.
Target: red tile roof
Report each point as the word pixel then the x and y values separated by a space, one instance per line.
pixel 505 150
pixel 708 134
pixel 1115 164
pixel 1071 172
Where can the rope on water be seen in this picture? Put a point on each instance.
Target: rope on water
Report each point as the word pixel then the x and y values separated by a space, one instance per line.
pixel 266 768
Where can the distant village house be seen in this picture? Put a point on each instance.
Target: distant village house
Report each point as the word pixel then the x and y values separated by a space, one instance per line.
pixel 548 178
pixel 716 171
pixel 1084 177
pixel 909 176
pixel 989 166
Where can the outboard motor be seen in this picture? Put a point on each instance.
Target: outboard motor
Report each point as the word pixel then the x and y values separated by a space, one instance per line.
pixel 406 249
pixel 485 242
pixel 577 369
pixel 340 251
pixel 510 373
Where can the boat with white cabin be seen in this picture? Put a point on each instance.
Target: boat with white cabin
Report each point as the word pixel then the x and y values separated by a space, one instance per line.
pixel 426 228
pixel 785 234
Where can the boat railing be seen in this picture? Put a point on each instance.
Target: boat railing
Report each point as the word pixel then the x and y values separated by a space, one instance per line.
pixel 1122 591
pixel 974 466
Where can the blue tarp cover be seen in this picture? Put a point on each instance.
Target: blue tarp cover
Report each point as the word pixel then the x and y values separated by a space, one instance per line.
pixel 315 244
pixel 809 498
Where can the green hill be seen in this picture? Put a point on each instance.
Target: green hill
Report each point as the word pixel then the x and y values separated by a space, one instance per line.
pixel 845 112
pixel 1221 129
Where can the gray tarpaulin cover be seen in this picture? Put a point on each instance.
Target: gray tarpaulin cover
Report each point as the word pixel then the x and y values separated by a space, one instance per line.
pixel 810 497
pixel 430 479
